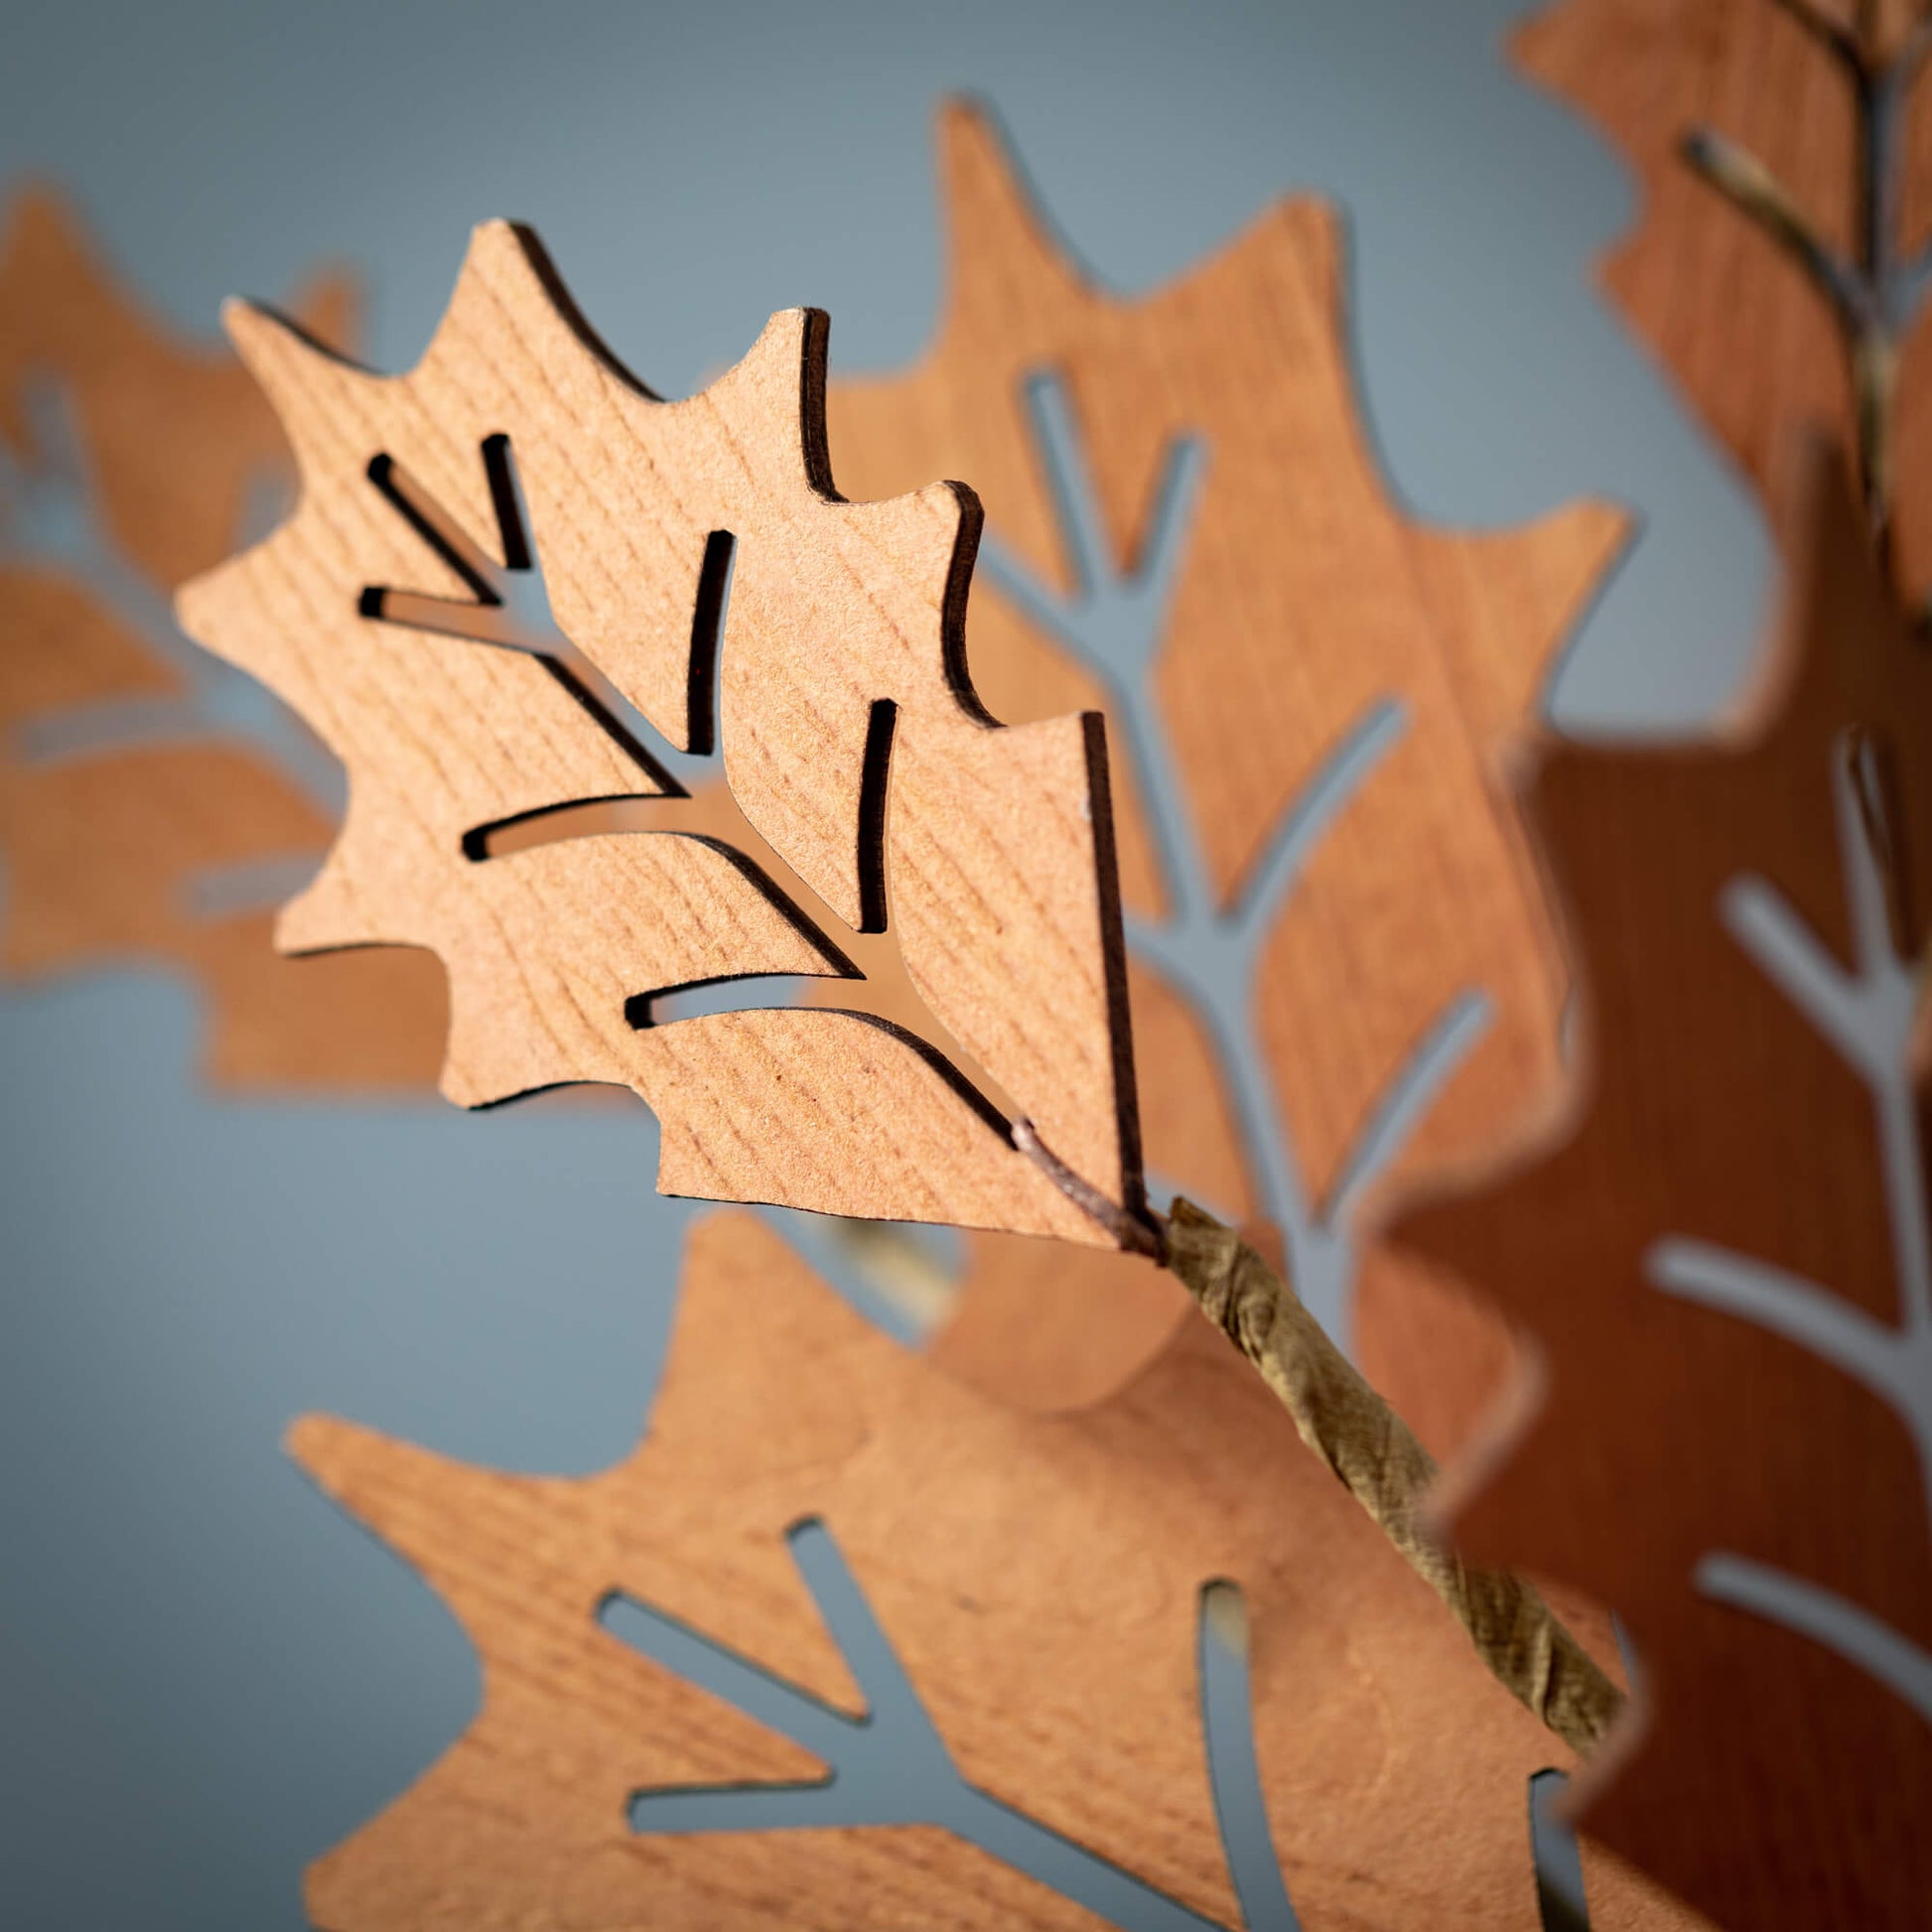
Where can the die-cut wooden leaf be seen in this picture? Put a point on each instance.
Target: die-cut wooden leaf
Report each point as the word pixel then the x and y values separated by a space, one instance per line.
pixel 1333 924
pixel 1778 267
pixel 1723 1259
pixel 855 752
pixel 128 816
pixel 1038 1581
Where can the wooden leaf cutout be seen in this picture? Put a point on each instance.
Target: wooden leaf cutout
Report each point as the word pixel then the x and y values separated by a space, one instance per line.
pixel 176 431
pixel 1334 925
pixel 131 825
pixel 1723 1261
pixel 1778 270
pixel 857 756
pixel 1038 1584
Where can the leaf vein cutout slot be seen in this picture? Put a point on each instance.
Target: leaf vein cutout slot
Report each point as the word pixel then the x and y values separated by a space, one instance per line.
pixel 886 1766
pixel 1311 697
pixel 1113 621
pixel 1017 1690
pixel 1870 1016
pixel 1732 1215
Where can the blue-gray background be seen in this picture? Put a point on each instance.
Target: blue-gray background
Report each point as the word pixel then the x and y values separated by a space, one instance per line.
pixel 206 1676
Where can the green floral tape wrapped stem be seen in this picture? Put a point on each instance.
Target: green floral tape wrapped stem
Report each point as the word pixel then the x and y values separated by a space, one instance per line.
pixel 1371 1449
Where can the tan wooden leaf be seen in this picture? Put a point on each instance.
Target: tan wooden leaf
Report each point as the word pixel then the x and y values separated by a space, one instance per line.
pixel 1305 598
pixel 1748 335
pixel 1721 1256
pixel 1039 1581
pixel 105 845
pixel 853 749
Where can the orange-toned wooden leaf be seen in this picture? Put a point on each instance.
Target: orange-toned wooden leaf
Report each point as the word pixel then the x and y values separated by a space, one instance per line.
pixel 176 432
pixel 1305 607
pixel 1747 334
pixel 102 854
pixel 1051 1331
pixel 1721 1258
pixel 107 842
pixel 1039 1581
pixel 852 745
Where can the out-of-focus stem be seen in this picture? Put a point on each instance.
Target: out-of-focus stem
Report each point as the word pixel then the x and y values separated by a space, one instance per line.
pixel 1371 1451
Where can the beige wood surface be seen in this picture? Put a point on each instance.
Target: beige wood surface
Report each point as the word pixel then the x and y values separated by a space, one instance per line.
pixel 101 850
pixel 1038 1578
pixel 1777 1784
pixel 1307 594
pixel 996 843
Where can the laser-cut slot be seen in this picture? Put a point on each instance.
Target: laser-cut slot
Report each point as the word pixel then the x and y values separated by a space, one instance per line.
pixel 506 498
pixel 1869 1014
pixel 1113 921
pixel 1560 1896
pixel 1227 1732
pixel 699 999
pixel 707 641
pixel 1113 621
pixel 874 786
pixel 675 808
pixel 440 533
pixel 886 1765
pixel 488 619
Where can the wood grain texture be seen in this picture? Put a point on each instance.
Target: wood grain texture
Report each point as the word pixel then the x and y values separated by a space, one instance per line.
pixel 1774 1781
pixel 1305 598
pixel 1039 1579
pixel 1747 336
pixel 104 847
pixel 1052 1332
pixel 1471 601
pixel 842 618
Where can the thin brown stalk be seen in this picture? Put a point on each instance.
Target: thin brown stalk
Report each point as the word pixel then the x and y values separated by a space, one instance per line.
pixel 1135 1233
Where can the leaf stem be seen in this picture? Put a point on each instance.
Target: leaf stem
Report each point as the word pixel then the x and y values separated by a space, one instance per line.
pixel 1372 1454
pixel 1136 1234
